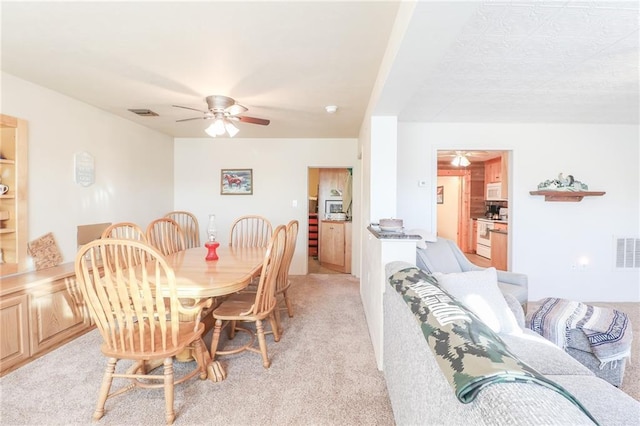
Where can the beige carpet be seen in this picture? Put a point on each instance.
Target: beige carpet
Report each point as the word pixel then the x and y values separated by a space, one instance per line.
pixel 323 373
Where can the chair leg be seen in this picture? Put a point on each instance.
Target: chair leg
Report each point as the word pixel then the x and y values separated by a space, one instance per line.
pixel 278 325
pixel 288 303
pixel 202 358
pixel 232 330
pixel 215 339
pixel 105 387
pixel 274 319
pixel 263 344
pixel 170 415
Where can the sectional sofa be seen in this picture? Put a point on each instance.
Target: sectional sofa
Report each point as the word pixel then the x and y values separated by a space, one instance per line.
pixel 421 393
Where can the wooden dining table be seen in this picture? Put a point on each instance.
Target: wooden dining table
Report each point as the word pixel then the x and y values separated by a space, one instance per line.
pixel 197 278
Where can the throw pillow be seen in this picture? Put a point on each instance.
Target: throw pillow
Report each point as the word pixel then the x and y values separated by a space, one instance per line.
pixel 425 236
pixel 479 292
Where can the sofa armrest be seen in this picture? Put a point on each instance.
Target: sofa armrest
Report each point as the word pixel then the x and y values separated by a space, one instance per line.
pixel 513 278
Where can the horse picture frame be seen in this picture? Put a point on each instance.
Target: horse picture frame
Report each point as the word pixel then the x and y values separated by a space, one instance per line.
pixel 236 181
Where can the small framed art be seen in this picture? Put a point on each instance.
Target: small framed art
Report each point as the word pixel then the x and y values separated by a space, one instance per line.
pixel 236 181
pixel 440 195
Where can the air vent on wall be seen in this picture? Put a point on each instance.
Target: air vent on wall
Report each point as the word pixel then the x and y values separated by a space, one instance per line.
pixel 627 252
pixel 144 112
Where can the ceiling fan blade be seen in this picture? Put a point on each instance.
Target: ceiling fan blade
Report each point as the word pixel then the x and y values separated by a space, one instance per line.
pixel 192 109
pixel 254 120
pixel 236 109
pixel 189 119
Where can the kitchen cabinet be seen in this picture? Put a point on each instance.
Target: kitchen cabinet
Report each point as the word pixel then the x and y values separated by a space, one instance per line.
pixel 334 251
pixel 40 311
pixel 13 203
pixel 496 170
pixel 499 246
pixel 474 235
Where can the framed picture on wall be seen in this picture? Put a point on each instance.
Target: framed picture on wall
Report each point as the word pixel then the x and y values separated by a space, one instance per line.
pixel 440 195
pixel 236 181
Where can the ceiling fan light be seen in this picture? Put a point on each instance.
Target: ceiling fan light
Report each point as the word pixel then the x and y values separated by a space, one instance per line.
pixel 464 161
pixel 456 161
pixel 211 131
pixel 231 128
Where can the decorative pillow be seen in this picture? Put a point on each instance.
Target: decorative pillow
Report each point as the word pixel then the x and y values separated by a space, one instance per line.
pixel 425 236
pixel 479 292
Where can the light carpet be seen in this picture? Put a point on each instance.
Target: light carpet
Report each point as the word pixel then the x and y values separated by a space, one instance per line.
pixel 323 372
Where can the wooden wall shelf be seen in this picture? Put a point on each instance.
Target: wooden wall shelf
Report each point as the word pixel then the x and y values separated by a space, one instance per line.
pixel 570 196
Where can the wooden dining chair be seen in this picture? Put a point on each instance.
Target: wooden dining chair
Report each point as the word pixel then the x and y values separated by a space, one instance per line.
pixel 139 317
pixel 282 281
pixel 166 235
pixel 250 231
pixel 189 225
pixel 253 307
pixel 124 231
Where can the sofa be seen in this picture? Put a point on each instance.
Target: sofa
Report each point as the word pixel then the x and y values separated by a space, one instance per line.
pixel 421 393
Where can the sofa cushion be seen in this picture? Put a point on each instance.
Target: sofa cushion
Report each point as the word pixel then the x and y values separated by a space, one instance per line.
pixel 479 292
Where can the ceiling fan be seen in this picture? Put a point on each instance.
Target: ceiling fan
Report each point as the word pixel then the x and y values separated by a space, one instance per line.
pixel 224 111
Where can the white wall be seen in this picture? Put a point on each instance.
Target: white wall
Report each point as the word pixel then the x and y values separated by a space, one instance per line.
pixel 280 169
pixel 547 239
pixel 449 210
pixel 133 164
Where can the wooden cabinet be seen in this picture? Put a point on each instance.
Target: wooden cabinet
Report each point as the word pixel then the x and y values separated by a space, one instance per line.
pixel 499 246
pixel 313 234
pixel 14 340
pixel 335 245
pixel 13 203
pixel 40 310
pixel 474 236
pixel 496 170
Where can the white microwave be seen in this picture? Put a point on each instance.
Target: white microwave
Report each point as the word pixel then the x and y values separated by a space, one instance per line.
pixel 494 192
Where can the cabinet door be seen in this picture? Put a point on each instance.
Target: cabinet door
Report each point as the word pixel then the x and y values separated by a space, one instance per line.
pixel 14 339
pixel 57 313
pixel 332 243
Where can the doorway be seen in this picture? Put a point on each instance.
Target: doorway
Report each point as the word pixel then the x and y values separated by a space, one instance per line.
pixel 329 199
pixel 464 196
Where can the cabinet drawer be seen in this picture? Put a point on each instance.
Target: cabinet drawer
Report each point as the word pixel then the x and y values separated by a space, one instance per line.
pixel 313 228
pixel 313 235
pixel 14 339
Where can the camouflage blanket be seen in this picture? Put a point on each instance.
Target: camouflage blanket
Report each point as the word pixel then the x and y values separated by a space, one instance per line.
pixel 469 353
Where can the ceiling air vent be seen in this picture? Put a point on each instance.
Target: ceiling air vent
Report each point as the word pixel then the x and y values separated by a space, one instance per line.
pixel 627 252
pixel 144 112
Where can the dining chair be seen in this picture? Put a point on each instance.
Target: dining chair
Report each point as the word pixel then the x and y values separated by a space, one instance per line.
pixel 139 317
pixel 124 231
pixel 250 231
pixel 253 307
pixel 282 281
pixel 189 225
pixel 166 235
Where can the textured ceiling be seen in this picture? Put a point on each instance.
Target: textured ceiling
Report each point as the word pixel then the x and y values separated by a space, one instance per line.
pixel 558 61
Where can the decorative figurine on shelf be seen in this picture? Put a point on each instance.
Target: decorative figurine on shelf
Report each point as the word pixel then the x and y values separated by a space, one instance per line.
pixel 211 243
pixel 562 184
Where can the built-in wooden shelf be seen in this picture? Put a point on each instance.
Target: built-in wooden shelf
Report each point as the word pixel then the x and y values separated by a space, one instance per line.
pixel 571 196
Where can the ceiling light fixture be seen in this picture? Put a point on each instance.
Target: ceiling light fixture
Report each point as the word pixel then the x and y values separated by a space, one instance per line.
pixel 220 126
pixel 331 109
pixel 460 160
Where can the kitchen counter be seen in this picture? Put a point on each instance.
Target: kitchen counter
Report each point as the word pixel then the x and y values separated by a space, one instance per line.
pixel 390 235
pixel 491 220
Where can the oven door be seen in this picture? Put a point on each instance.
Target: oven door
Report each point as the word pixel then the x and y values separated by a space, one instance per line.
pixel 484 236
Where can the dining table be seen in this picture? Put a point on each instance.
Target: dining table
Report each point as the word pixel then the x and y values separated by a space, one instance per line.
pixel 200 279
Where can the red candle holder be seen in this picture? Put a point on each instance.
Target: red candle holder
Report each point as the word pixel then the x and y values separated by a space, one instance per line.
pixel 211 247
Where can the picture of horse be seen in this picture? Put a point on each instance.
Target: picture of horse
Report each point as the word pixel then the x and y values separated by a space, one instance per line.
pixel 236 182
